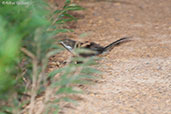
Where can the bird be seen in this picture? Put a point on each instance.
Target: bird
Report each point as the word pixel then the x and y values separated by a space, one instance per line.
pixel 94 48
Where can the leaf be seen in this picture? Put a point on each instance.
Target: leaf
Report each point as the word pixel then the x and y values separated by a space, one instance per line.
pixel 6 109
pixel 70 16
pixel 54 72
pixel 65 80
pixel 41 90
pixel 90 61
pixel 87 76
pixel 69 100
pixel 58 11
pixel 83 35
pixel 60 16
pixel 67 2
pixel 73 7
pixel 56 46
pixel 81 82
pixel 67 90
pixel 51 53
pixel 63 30
pixel 83 50
pixel 88 70
pixel 57 100
pixel 62 21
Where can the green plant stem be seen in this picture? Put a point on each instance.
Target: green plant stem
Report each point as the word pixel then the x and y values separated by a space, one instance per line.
pixel 34 88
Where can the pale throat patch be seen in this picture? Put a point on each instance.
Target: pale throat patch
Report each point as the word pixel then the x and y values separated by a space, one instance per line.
pixel 66 46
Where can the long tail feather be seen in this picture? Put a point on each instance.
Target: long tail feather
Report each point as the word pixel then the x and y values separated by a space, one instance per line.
pixel 116 43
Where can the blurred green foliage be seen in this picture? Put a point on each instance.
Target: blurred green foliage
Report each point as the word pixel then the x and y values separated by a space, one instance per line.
pixel 18 23
pixel 30 28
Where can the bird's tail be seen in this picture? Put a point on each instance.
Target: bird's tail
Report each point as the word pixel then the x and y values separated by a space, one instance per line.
pixel 116 43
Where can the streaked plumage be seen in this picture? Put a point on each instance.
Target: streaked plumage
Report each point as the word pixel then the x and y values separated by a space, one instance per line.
pixel 96 49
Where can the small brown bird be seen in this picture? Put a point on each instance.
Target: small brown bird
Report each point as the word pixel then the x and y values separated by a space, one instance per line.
pixel 95 49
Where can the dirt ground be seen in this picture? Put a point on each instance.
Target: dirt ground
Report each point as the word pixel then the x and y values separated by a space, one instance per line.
pixel 136 76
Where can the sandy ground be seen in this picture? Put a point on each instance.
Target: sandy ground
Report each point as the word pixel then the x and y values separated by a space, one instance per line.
pixel 136 76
